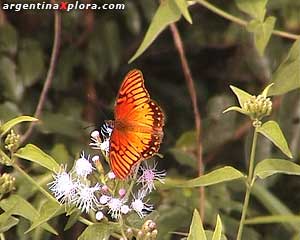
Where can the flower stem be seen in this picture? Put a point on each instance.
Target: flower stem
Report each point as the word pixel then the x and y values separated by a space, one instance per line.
pixel 249 185
pixel 240 21
pixel 2 237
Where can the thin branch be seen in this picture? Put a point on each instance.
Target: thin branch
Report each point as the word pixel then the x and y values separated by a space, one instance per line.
pixel 193 95
pixel 50 74
pixel 242 22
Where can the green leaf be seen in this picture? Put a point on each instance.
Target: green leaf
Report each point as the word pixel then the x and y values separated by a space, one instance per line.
pixel 272 131
pixel 273 219
pixel 287 76
pixel 184 157
pixel 8 39
pixel 223 174
pixel 72 219
pixel 49 210
pixel 97 231
pixel 255 8
pixel 11 88
pixel 11 123
pixel 265 92
pixel 30 61
pixel 33 153
pixel 262 32
pixel 8 224
pixel 196 229
pixel 183 6
pixel 167 13
pixel 6 220
pixel 218 230
pixel 241 95
pixel 235 108
pixel 24 209
pixel 268 167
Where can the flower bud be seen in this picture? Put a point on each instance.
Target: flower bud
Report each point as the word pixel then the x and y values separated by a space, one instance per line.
pixel 154 234
pixel 7 183
pixel 12 141
pixel 258 107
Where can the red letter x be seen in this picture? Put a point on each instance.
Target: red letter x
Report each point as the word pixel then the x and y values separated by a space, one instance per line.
pixel 63 6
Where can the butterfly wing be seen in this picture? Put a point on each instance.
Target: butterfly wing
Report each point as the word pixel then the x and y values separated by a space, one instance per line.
pixel 138 126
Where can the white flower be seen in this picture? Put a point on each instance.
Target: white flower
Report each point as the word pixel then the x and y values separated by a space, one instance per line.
pixel 149 176
pixel 125 209
pixel 97 143
pixel 140 207
pixel 99 216
pixel 86 199
pixel 111 175
pixel 115 205
pixel 104 199
pixel 63 187
pixel 83 167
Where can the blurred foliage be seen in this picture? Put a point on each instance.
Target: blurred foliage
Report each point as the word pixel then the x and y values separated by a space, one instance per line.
pixel 93 58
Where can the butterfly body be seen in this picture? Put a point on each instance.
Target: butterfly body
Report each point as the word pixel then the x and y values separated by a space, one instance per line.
pixel 137 128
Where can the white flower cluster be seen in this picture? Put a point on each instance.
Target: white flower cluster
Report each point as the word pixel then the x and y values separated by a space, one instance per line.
pixel 75 188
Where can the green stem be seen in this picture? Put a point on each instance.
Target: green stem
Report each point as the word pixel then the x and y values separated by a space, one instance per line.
pixel 31 180
pixel 2 237
pixel 242 22
pixel 249 185
pixel 132 181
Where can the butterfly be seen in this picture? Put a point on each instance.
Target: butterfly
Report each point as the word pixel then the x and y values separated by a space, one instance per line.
pixel 138 126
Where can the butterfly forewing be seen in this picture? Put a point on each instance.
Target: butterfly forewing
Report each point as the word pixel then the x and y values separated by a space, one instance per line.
pixel 138 126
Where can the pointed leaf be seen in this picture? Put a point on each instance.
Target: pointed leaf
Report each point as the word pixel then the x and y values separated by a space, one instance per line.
pixel 33 153
pixel 265 92
pixel 255 8
pixel 11 123
pixel 49 210
pixel 217 176
pixel 6 220
pixel 8 224
pixel 287 76
pixel 273 219
pixel 196 229
pixel 167 12
pixel 72 219
pixel 241 95
pixel 218 230
pixel 272 131
pixel 183 6
pixel 268 167
pixel 235 108
pixel 97 231
pixel 24 209
pixel 262 33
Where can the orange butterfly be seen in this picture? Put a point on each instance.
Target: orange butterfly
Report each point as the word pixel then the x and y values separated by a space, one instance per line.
pixel 138 126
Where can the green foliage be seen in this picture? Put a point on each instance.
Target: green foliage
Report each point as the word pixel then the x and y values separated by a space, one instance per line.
pixel 217 176
pixel 20 207
pixel 168 12
pixel 196 230
pixel 272 131
pixel 255 8
pixel 5 127
pixel 33 153
pixel 97 231
pixel 91 60
pixel 269 167
pixel 262 32
pixel 287 76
